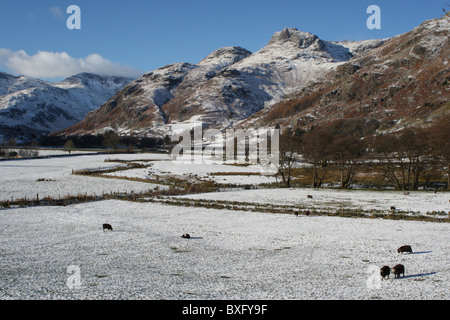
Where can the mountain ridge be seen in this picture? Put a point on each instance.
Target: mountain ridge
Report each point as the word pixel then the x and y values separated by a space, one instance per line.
pixel 297 81
pixel 403 83
pixel 31 107
pixel 221 90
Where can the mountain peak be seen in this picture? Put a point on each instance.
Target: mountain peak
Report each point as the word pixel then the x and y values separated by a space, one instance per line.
pixel 292 35
pixel 229 54
pixel 86 79
pixel 232 87
pixel 31 106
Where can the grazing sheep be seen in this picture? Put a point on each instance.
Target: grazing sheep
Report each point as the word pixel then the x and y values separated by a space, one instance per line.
pixel 307 213
pixel 309 196
pixel 186 236
pixel 393 209
pixel 107 227
pixel 398 269
pixel 406 193
pixel 296 213
pixel 404 249
pixel 385 271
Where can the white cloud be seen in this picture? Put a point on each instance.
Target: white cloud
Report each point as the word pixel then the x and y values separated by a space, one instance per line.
pixel 52 65
pixel 57 12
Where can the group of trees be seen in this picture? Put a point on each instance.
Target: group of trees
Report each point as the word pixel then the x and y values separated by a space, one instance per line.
pixel 109 139
pixel 412 154
pixel 23 153
pixel 322 152
pixel 403 159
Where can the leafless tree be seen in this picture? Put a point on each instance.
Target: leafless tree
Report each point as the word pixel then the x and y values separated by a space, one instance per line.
pixel 402 157
pixel 439 141
pixel 316 152
pixel 290 148
pixel 346 153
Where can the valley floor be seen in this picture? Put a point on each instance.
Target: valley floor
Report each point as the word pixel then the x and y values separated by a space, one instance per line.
pixel 232 254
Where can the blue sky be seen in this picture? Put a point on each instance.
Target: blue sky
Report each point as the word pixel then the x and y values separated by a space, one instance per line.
pixel 136 36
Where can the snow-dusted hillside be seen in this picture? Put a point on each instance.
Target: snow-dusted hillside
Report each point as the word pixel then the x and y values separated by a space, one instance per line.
pixel 32 106
pixel 290 60
pixel 226 87
pixel 400 84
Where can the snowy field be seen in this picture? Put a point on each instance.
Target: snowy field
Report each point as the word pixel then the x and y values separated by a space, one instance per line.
pixel 60 152
pixel 53 177
pixel 420 202
pixel 231 255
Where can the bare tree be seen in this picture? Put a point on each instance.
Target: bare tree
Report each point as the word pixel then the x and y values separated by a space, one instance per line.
pixel 446 13
pixel 290 147
pixel 111 139
pixel 346 153
pixel 439 141
pixel 402 157
pixel 316 151
pixel 68 146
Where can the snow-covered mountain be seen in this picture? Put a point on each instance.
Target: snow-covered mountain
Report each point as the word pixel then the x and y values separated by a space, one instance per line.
pixel 402 84
pixel 297 80
pixel 30 106
pixel 223 89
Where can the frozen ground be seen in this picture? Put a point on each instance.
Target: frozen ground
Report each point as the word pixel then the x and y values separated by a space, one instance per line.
pixel 232 254
pixel 56 152
pixel 53 177
pixel 420 202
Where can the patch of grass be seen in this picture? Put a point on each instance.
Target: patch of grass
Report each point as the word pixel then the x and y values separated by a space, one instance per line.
pixel 5 204
pixel 179 250
pixel 235 174
pixel 283 248
pixel 290 209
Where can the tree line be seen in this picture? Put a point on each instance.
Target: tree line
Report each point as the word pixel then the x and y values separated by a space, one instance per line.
pixel 404 159
pixel 109 139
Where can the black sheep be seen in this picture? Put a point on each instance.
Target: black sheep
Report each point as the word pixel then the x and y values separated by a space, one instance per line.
pixel 404 249
pixel 398 270
pixel 385 271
